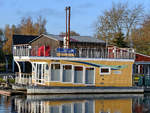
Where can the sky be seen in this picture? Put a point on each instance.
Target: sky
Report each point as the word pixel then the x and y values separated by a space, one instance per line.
pixel 84 13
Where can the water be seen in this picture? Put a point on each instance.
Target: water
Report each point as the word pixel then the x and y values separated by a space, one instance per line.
pixel 112 103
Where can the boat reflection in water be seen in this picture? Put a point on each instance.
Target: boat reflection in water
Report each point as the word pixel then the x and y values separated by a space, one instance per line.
pixel 41 104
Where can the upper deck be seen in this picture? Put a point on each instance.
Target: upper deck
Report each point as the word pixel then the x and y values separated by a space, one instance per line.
pixel 90 53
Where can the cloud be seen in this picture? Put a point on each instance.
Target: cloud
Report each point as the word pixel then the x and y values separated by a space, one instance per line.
pixel 82 9
pixel 46 12
pixel 86 5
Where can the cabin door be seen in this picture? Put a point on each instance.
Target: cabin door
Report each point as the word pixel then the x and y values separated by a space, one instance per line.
pixel 40 74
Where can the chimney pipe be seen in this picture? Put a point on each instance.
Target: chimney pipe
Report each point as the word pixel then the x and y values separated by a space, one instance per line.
pixel 69 26
pixel 66 26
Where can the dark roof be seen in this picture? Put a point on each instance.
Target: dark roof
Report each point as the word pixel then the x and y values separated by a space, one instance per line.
pixel 22 39
pixel 78 38
pixel 88 39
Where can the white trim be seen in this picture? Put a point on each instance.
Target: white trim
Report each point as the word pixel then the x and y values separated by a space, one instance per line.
pixel 33 68
pixel 142 55
pixel 105 73
pixel 142 62
pixel 60 72
pixel 22 58
pixel 83 74
pixel 48 36
pixel 47 73
pixel 36 73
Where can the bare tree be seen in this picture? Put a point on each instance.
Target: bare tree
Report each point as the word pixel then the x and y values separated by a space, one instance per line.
pixel 141 37
pixel 120 18
pixel 72 33
pixel 26 27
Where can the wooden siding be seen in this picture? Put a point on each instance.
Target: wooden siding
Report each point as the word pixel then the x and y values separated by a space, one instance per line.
pixel 142 58
pixel 43 40
pixel 118 78
pixel 84 45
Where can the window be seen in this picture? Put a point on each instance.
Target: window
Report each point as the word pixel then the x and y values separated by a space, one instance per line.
pixel 40 72
pixel 66 108
pixel 67 73
pixel 89 107
pixel 55 72
pixel 33 66
pixel 34 71
pixel 46 67
pixel 54 109
pixel 105 70
pixel 78 74
pixel 89 75
pixel 78 108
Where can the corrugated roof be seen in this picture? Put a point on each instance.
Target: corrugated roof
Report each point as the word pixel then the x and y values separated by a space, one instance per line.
pixel 26 39
pixel 77 38
pixel 22 39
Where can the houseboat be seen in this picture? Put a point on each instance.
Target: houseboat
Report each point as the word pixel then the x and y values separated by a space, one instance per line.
pixel 45 65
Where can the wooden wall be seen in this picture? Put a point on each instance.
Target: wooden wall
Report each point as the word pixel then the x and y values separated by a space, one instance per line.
pixel 85 45
pixel 120 78
pixel 43 40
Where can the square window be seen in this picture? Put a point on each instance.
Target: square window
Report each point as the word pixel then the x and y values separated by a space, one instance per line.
pixel 105 70
pixel 78 74
pixel 55 72
pixel 67 73
pixel 89 75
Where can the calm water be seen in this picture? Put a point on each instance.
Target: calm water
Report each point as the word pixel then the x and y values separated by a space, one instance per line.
pixel 76 104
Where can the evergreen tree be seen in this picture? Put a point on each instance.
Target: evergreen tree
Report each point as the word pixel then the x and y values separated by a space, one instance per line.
pixel 119 40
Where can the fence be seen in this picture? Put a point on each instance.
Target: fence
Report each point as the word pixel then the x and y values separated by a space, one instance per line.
pixel 79 53
pixel 141 80
pixel 26 78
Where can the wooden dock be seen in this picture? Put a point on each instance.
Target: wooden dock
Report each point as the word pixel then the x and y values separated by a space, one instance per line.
pixel 11 92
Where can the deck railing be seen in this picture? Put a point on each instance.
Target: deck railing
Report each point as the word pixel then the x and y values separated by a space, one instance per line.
pixel 141 79
pixel 25 78
pixel 79 53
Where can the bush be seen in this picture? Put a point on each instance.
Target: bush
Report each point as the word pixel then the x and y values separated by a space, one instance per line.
pixel 12 81
pixel 2 80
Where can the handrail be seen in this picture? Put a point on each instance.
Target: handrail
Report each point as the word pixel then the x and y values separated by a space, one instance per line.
pixel 79 53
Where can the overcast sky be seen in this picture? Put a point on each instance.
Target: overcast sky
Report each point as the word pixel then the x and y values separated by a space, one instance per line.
pixel 83 12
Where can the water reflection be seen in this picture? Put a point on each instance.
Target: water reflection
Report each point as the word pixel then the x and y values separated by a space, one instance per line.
pixel 141 105
pixel 76 104
pixel 107 104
